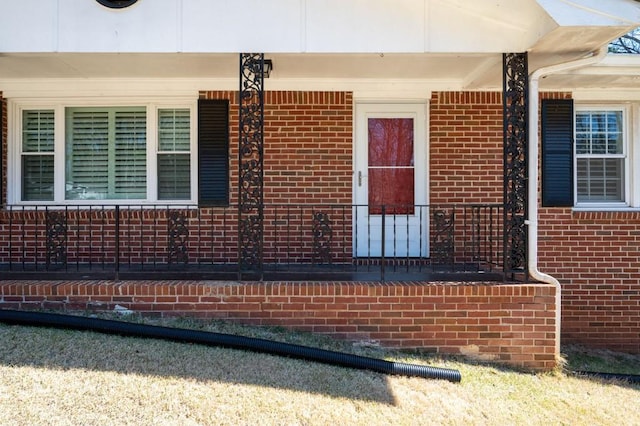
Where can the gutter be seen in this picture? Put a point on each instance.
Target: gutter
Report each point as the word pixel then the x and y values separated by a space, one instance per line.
pixel 532 221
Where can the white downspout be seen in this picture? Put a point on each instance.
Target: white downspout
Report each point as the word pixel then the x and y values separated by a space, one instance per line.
pixel 532 221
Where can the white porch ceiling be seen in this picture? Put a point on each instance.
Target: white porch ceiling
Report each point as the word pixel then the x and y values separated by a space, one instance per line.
pixel 439 71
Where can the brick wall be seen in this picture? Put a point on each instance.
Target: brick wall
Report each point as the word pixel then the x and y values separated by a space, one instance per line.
pixel 465 131
pixel 510 324
pixel 596 257
pixel 307 146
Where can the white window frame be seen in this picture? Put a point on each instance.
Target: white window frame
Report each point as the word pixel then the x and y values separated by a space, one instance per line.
pixel 626 155
pixel 14 169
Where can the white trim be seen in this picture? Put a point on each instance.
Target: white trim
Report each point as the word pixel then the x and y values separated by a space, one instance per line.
pixel 628 188
pixel 605 209
pixel 14 141
pixel 152 152
pixel 159 88
pixel 606 95
pixel 418 110
pixel 147 89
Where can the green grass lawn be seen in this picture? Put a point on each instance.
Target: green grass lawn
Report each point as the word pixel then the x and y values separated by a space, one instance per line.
pixel 59 377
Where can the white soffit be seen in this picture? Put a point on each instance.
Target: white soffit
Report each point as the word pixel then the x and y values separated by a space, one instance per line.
pixel 609 13
pixel 586 25
pixel 616 72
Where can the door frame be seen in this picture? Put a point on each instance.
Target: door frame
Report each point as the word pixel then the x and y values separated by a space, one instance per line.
pixel 390 109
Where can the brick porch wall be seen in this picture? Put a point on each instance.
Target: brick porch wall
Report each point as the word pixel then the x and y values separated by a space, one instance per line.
pixel 510 324
pixel 596 258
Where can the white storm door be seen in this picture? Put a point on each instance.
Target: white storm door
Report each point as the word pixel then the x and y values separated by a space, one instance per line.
pixel 390 180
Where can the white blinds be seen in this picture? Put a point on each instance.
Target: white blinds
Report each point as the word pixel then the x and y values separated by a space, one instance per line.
pixel 174 176
pixel 600 156
pixel 37 155
pixel 105 153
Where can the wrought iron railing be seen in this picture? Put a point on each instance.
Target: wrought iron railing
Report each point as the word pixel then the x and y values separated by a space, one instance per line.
pixel 299 242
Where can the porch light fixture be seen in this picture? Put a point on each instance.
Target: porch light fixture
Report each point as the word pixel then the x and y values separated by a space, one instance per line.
pixel 268 67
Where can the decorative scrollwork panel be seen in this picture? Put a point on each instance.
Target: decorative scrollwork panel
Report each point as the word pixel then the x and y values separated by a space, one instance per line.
pixel 443 237
pixel 322 238
pixel 177 236
pixel 515 109
pixel 250 197
pixel 56 222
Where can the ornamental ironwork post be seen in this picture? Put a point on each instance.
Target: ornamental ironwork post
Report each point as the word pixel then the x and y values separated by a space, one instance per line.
pixel 250 176
pixel 516 136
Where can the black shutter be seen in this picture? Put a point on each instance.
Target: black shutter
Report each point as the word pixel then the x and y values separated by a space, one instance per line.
pixel 557 152
pixel 213 152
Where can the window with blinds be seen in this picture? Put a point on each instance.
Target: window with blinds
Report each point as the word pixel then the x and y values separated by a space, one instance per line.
pixel 38 155
pixel 120 154
pixel 105 153
pixel 600 156
pixel 174 158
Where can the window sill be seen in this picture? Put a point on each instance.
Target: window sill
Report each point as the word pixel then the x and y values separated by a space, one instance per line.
pixel 101 206
pixel 605 208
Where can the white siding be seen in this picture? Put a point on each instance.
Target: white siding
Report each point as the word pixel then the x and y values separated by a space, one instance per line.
pixel 293 26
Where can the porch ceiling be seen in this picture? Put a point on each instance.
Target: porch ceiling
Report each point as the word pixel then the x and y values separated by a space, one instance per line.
pixel 436 70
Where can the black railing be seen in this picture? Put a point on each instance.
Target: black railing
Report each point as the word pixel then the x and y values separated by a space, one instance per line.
pixel 327 242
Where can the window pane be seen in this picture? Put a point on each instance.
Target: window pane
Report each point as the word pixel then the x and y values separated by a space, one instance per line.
pixel 130 160
pixel 37 178
pixel 600 180
pixel 174 177
pixel 106 153
pixel 174 129
pixel 390 141
pixel 87 154
pixel 598 122
pixel 614 135
pixel 599 143
pixel 599 132
pixel 582 122
pixel 37 131
pixel 582 143
pixel 614 143
pixel 393 188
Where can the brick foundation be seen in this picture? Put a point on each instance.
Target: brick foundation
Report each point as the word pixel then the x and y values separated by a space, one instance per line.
pixel 509 324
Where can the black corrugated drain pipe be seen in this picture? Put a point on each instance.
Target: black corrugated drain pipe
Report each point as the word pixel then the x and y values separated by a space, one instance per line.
pixel 123 328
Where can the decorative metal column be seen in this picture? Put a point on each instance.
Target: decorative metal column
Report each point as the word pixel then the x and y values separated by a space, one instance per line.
pixel 250 176
pixel 516 136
